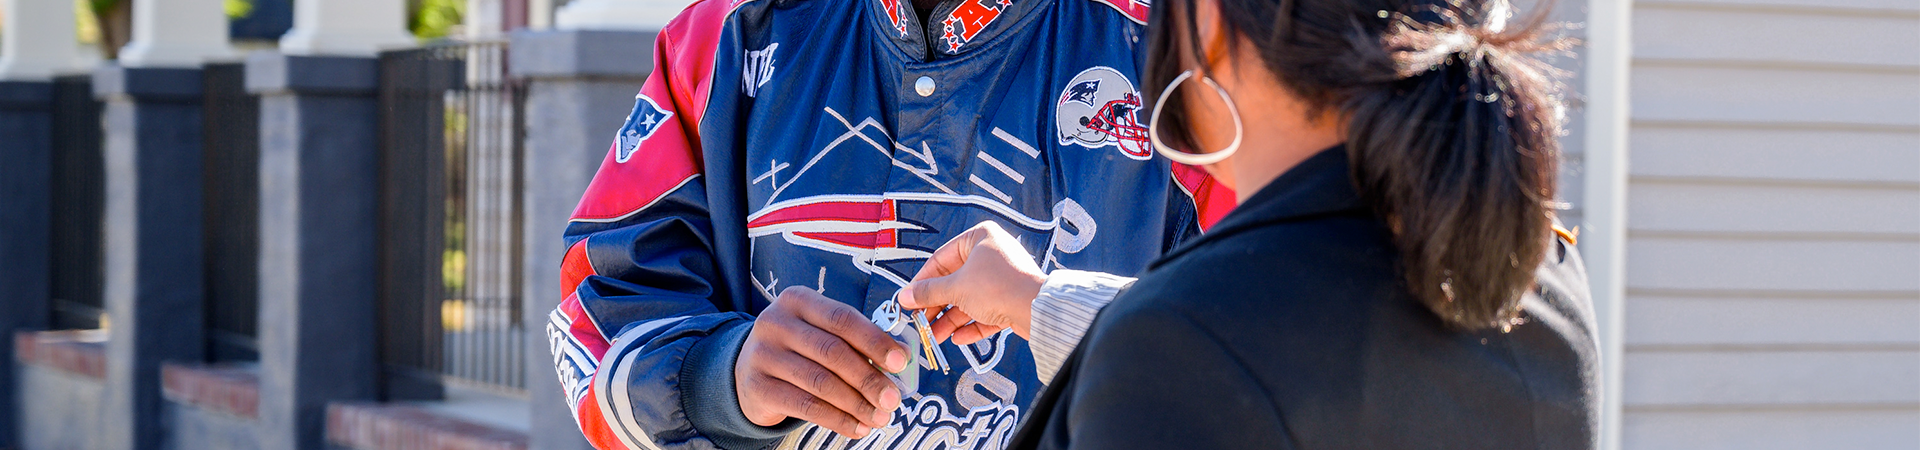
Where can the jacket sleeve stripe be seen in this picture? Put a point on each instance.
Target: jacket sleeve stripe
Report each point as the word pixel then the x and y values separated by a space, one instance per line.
pixel 1211 201
pixel 618 407
pixel 576 371
pixel 581 328
pixel 594 426
pixel 573 350
pixel 575 267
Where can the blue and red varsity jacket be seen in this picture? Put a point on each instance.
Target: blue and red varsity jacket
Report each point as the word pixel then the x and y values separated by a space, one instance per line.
pixel 833 144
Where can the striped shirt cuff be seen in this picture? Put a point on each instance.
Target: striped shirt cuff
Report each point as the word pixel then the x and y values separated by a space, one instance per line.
pixel 1067 303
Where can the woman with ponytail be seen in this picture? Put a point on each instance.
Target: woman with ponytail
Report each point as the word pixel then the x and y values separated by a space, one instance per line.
pixel 1393 276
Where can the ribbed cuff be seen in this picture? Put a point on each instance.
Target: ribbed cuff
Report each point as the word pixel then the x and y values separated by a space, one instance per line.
pixel 707 395
pixel 1067 303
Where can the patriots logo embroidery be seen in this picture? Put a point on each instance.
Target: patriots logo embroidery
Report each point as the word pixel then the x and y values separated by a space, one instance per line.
pixel 646 118
pixel 966 21
pixel 1082 92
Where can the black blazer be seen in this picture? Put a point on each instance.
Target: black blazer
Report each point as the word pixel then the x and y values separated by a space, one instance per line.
pixel 1287 326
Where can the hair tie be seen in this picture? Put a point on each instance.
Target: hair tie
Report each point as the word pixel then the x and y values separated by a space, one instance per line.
pixel 1427 50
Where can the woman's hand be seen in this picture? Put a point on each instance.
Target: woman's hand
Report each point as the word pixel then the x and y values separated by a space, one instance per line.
pixel 988 279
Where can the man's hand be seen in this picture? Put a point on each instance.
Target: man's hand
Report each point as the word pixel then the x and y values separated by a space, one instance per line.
pixel 811 358
pixel 988 279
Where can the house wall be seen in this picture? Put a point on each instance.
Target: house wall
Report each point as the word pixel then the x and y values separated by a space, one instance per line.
pixel 1773 211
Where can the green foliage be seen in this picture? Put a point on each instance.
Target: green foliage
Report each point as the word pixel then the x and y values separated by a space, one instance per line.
pixel 238 9
pixel 85 27
pixel 435 19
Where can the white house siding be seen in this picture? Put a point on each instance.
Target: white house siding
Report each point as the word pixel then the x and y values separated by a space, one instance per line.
pixel 1773 252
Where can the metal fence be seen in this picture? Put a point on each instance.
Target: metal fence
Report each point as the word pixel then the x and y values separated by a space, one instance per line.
pixel 79 186
pixel 231 189
pixel 451 183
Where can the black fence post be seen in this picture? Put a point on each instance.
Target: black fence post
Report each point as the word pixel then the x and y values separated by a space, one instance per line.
pixel 412 185
pixel 580 85
pixel 318 240
pixel 232 216
pixel 26 167
pixel 155 286
pixel 79 186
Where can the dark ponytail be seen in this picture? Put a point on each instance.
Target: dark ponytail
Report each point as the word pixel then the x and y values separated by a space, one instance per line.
pixel 1452 130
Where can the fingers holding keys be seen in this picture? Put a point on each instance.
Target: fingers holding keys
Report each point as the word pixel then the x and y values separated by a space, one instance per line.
pixel 945 322
pixel 985 276
pixel 935 280
pixel 812 358
pixel 956 324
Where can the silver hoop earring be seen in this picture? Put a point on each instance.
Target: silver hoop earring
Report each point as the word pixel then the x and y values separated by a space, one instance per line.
pixel 1194 159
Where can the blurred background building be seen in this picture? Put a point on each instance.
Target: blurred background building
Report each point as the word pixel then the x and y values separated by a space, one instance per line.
pixel 278 224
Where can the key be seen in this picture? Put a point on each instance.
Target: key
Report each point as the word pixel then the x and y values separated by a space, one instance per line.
pixel 931 349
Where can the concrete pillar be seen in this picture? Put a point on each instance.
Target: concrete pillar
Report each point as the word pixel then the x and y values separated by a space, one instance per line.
pixel 153 254
pixel 580 87
pixel 484 19
pixel 539 14
pixel 319 153
pixel 346 27
pixel 635 15
pixel 26 170
pixel 38 39
pixel 176 33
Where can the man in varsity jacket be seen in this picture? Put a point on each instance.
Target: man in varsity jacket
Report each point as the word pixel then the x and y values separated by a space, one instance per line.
pixel 787 168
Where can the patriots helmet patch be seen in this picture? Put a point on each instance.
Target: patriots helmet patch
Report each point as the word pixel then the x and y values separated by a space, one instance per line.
pixel 1099 108
pixel 647 117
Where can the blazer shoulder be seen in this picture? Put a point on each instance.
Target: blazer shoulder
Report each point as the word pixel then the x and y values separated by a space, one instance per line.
pixel 1279 261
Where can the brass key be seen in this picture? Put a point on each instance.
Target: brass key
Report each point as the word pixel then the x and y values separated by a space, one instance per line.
pixel 927 345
